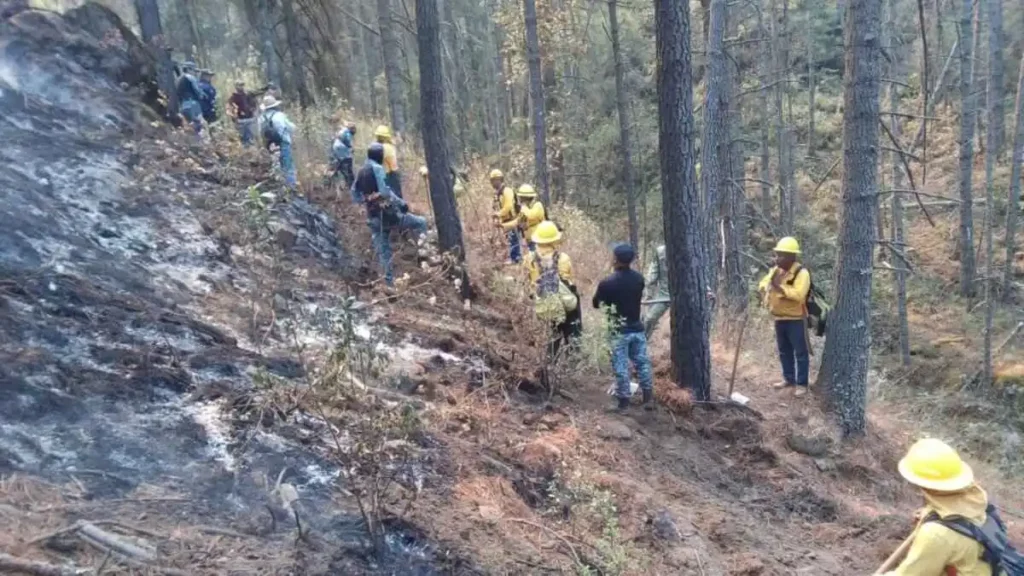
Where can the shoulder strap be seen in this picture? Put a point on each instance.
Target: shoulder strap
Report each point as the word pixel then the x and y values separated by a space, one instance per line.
pixel 965 527
pixel 796 273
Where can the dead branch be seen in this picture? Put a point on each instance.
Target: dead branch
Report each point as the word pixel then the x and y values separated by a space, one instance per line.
pixel 900 151
pixel 116 544
pixel 897 253
pixel 924 89
pixel 906 167
pixel 925 194
pixel 12 565
pixel 827 174
pixel 572 549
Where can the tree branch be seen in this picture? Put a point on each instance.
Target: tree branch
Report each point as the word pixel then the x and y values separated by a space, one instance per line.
pixel 906 167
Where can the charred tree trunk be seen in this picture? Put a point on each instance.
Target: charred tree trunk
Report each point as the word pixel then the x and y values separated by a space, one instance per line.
pixel 715 143
pixel 148 13
pixel 967 112
pixel 621 101
pixel 684 236
pixel 540 150
pixel 391 50
pixel 846 358
pixel 1012 205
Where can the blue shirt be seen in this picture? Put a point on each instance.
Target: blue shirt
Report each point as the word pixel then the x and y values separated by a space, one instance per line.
pixel 342 146
pixel 209 93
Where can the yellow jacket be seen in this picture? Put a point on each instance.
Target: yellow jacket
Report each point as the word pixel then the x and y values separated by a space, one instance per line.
pixel 935 547
pixel 531 216
pixel 390 158
pixel 791 303
pixel 507 214
pixel 546 251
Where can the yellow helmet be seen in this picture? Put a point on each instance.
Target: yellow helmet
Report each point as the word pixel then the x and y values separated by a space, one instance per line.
pixel 788 245
pixel 934 465
pixel 526 191
pixel 546 233
pixel 382 131
pixel 424 171
pixel 496 174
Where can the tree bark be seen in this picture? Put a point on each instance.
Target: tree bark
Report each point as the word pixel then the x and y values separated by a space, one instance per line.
pixel 733 229
pixel 967 111
pixel 846 357
pixel 442 195
pixel 197 48
pixel 540 150
pixel 391 49
pixel 453 47
pixel 764 172
pixel 625 142
pixel 992 109
pixel 297 52
pixel 896 232
pixel 370 64
pixel 148 13
pixel 266 29
pixel 1012 205
pixel 684 237
pixel 715 143
pixel 996 74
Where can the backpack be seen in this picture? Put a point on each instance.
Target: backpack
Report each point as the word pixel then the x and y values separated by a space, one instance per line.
pixel 1004 559
pixel 554 299
pixel 270 134
pixel 817 312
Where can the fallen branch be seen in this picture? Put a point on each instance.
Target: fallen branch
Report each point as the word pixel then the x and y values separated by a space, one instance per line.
pixel 116 543
pixel 12 565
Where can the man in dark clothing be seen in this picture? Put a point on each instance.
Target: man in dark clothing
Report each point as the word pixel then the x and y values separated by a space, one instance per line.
pixel 209 102
pixel 622 293
pixel 242 107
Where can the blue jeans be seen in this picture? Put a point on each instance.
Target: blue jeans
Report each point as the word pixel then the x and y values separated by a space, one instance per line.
pixel 193 112
pixel 631 347
pixel 288 163
pixel 791 338
pixel 382 242
pixel 515 248
pixel 245 130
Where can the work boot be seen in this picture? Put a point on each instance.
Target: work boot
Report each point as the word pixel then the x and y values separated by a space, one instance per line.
pixel 800 391
pixel 648 400
pixel 781 385
pixel 621 406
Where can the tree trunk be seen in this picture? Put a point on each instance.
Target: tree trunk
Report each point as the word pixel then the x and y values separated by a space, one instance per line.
pixel 197 48
pixel 148 13
pixel 1014 196
pixel 682 216
pixel 297 52
pixel 370 64
pixel 391 49
pixel 540 151
pixel 781 64
pixel 764 173
pixel 896 231
pixel 992 108
pixel 453 47
pixel 812 89
pixel 733 229
pixel 435 144
pixel 715 143
pixel 621 101
pixel 846 357
pixel 978 83
pixel 967 111
pixel 996 74
pixel 266 29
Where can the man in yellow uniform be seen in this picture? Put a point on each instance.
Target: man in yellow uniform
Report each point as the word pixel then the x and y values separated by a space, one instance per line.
pixel 956 511
pixel 531 212
pixel 391 174
pixel 784 291
pixel 507 214
pixel 542 257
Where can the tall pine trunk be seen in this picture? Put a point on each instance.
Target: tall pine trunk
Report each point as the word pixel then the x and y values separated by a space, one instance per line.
pixel 1014 196
pixel 967 112
pixel 148 13
pixel 766 63
pixel 996 73
pixel 715 143
pixel 265 15
pixel 297 52
pixel 622 103
pixel 992 109
pixel 845 363
pixel 682 215
pixel 896 230
pixel 392 52
pixel 454 70
pixel 540 149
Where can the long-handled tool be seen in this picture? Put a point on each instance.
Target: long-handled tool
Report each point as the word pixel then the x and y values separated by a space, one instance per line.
pixel 736 355
pixel 893 560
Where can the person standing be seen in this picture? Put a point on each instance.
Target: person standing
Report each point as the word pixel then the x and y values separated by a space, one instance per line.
pixel 394 177
pixel 385 211
pixel 657 290
pixel 341 150
pixel 277 131
pixel 191 96
pixel 531 213
pixel 242 110
pixel 549 268
pixel 784 291
pixel 209 103
pixel 622 293
pixel 507 214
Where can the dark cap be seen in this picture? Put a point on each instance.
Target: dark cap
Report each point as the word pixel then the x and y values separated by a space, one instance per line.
pixel 624 254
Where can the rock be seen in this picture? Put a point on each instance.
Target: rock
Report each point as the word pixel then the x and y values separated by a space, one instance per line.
pixel 665 528
pixel 815 445
pixel 615 431
pixel 825 464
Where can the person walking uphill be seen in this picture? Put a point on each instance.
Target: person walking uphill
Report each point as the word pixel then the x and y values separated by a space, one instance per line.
pixel 209 103
pixel 341 152
pixel 242 110
pixel 191 96
pixel 507 214
pixel 531 212
pixel 958 532
pixel 784 290
pixel 277 131
pixel 622 293
pixel 385 211
pixel 556 298
pixel 394 177
pixel 657 290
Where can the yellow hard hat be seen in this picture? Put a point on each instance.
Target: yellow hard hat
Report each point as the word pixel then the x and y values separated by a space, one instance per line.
pixel 546 233
pixel 496 174
pixel 382 131
pixel 788 245
pixel 526 191
pixel 934 465
pixel 424 171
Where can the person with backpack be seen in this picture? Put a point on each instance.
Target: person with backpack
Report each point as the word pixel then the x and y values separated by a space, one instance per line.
pixel 394 178
pixel 277 131
pixel 385 211
pixel 784 291
pixel 507 214
pixel 657 286
pixel 341 153
pixel 622 293
pixel 531 213
pixel 209 103
pixel 958 532
pixel 556 298
pixel 191 96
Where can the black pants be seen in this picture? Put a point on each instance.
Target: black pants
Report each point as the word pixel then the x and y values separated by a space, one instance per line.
pixel 394 181
pixel 569 330
pixel 345 169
